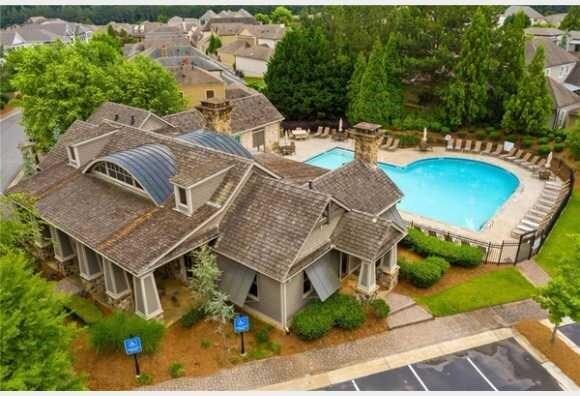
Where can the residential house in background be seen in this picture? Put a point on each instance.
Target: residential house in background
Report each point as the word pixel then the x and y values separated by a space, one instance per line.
pixel 227 16
pixel 555 19
pixel 44 31
pixel 557 61
pixel 198 84
pixel 123 206
pixel 252 61
pixel 573 41
pixel 557 36
pixel 535 17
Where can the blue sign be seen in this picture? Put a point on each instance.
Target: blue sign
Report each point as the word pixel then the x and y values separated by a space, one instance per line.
pixel 241 323
pixel 132 345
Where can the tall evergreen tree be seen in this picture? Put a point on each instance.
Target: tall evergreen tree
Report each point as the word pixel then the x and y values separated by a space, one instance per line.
pixel 35 342
pixel 572 20
pixel 509 63
pixel 305 78
pixel 354 88
pixel 468 93
pixel 380 94
pixel 528 110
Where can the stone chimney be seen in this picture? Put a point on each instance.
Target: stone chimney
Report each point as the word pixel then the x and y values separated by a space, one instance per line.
pixel 218 114
pixel 367 138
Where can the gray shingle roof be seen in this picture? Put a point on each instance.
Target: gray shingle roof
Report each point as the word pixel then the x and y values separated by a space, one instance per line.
pixel 529 11
pixel 268 223
pixel 253 111
pixel 360 187
pixel 543 31
pixel 365 236
pixel 561 96
pixel 120 113
pixel 554 55
pixel 258 52
pixel 294 172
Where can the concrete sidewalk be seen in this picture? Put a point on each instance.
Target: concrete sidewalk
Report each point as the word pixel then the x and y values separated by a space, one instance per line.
pixel 262 373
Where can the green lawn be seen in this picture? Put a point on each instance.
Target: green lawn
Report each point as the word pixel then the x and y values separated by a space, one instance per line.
pixel 559 247
pixel 493 288
pixel 256 81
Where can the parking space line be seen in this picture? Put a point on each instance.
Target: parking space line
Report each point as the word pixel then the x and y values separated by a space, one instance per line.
pixel 355 385
pixel 418 378
pixel 480 373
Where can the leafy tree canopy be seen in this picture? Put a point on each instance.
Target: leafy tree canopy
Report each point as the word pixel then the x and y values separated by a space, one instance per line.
pixel 572 20
pixel 35 342
pixel 61 83
pixel 214 44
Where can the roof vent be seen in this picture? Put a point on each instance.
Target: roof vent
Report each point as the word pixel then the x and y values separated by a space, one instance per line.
pixel 116 117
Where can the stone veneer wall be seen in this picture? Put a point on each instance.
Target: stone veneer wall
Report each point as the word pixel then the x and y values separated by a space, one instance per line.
pixel 366 147
pixel 95 287
pixel 217 115
pixel 124 303
pixel 69 267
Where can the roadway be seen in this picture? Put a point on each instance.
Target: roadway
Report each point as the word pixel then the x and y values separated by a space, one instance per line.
pixel 11 135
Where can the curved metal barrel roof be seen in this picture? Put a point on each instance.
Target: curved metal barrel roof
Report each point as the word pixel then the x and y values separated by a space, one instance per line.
pixel 216 141
pixel 151 165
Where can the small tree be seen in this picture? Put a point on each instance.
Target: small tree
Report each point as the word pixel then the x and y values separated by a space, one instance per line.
pixel 561 297
pixel 205 282
pixel 34 342
pixel 214 44
pixel 19 225
pixel 263 18
pixel 528 110
pixel 282 15
pixel 572 20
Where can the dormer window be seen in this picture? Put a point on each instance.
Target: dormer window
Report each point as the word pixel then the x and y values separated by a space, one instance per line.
pixel 182 200
pixel 72 156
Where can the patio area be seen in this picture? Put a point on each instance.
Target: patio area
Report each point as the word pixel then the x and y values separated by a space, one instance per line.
pixel 500 225
pixel 176 299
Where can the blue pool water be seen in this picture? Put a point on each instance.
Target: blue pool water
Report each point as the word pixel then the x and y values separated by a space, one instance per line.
pixel 456 191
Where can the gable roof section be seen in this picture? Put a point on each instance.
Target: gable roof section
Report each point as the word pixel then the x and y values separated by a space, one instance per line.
pixel 293 172
pixel 216 141
pixel 360 187
pixel 231 48
pixel 122 114
pixel 529 11
pixel 574 76
pixel 365 236
pixel 257 52
pixel 561 96
pixel 152 165
pixel 268 241
pixel 185 121
pixel 554 55
pixel 269 32
pixel 252 112
pixel 196 75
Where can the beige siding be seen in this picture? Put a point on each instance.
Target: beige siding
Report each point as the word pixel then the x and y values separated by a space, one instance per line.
pixel 200 194
pixel 227 59
pixel 251 67
pixel 152 123
pixel 88 151
pixel 269 302
pixel 194 94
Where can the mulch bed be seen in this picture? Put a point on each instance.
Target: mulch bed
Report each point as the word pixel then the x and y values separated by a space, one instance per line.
pixel 116 371
pixel 561 354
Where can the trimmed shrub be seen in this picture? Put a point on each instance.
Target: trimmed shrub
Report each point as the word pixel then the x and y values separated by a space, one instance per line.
pixel 192 317
pixel 409 140
pixel 84 309
pixel 544 140
pixel 263 335
pixel 380 308
pixel 544 149
pixel 495 135
pixel 423 274
pixel 176 370
pixel 439 262
pixel 527 142
pixel 559 147
pixel 107 334
pixel 144 379
pixel 312 322
pixel 317 318
pixel 445 130
pixel 459 255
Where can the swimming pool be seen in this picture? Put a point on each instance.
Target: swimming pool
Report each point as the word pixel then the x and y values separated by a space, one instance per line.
pixel 457 191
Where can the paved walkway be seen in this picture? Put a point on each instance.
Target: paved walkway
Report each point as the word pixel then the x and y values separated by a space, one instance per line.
pixel 533 272
pixel 11 135
pixel 259 374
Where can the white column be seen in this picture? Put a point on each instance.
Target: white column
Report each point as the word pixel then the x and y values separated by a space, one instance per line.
pixel 116 280
pixel 89 267
pixel 147 302
pixel 367 280
pixel 390 261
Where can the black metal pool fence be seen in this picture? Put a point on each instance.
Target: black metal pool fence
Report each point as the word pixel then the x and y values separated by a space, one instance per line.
pixel 514 251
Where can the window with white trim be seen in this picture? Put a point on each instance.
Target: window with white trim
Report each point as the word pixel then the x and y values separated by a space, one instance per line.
pixel 72 156
pixel 116 172
pixel 182 196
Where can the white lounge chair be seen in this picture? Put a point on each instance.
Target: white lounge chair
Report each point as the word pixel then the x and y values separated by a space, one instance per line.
pixel 477 148
pixel 449 145
pixel 458 144
pixel 487 150
pixel 467 147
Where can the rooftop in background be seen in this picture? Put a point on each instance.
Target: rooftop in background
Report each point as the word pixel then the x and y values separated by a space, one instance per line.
pixel 554 55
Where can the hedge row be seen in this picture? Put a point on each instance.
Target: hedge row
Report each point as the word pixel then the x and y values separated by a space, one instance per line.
pixel 424 273
pixel 458 255
pixel 317 318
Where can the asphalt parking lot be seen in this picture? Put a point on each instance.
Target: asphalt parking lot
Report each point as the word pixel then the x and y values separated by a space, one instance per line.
pixel 500 366
pixel 572 332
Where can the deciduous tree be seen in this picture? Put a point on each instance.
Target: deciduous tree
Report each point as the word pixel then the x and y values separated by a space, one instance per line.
pixel 528 110
pixel 214 44
pixel 560 296
pixel 35 342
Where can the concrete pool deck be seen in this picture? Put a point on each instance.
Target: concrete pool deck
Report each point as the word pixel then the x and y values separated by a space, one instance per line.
pixel 498 228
